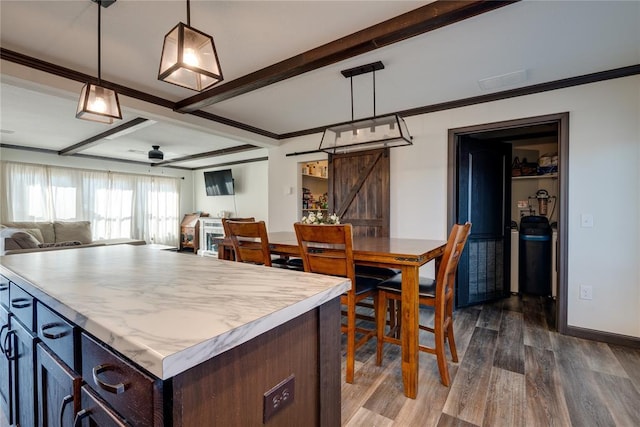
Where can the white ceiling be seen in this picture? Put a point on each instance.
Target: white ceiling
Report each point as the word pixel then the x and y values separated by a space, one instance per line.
pixel 543 40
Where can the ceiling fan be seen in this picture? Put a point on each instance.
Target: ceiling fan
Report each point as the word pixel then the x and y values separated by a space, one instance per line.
pixel 156 154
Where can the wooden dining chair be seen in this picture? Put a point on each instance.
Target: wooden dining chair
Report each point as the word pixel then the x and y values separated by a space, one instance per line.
pixel 328 249
pixel 438 294
pixel 249 241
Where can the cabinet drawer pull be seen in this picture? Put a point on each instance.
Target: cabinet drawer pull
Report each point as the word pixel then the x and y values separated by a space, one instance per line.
pixel 54 336
pixel 21 302
pixel 111 388
pixel 3 287
pixel 65 401
pixel 77 422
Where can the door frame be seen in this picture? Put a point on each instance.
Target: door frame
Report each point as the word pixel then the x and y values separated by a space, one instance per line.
pixel 562 120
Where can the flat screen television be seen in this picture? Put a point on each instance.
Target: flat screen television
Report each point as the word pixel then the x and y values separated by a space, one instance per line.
pixel 219 183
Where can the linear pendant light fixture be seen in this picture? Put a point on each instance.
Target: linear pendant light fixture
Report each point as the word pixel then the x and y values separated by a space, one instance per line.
pixel 189 58
pixel 98 103
pixel 366 134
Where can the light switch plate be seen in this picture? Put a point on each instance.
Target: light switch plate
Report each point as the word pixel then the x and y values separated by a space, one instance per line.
pixel 586 220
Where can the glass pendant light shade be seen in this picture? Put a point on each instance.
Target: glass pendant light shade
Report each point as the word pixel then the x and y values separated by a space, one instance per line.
pixel 98 104
pixel 367 134
pixel 189 59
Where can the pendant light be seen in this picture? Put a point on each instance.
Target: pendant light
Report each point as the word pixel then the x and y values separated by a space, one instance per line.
pixel 98 103
pixel 189 58
pixel 366 134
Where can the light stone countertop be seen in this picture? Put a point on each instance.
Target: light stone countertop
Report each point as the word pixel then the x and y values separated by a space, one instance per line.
pixel 168 311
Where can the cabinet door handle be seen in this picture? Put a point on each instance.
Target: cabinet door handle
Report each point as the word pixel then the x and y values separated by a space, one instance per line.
pixel 1 332
pixel 49 335
pixel 8 348
pixel 65 401
pixel 21 302
pixel 111 388
pixel 3 287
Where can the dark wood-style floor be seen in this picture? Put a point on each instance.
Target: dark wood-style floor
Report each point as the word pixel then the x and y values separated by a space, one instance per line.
pixel 512 371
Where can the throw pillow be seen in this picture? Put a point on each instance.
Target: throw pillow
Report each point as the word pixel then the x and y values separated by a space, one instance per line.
pixel 35 232
pixel 25 240
pixel 72 231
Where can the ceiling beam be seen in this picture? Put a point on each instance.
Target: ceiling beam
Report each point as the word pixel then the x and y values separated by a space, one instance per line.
pixel 96 139
pixel 419 21
pixel 222 152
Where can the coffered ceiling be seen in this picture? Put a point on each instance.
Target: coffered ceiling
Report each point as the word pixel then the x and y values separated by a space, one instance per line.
pixel 281 62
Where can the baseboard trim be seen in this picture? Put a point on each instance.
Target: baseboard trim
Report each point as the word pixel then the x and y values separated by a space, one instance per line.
pixel 608 337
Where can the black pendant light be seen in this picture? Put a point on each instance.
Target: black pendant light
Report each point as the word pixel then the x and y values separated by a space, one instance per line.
pixel 366 134
pixel 189 58
pixel 98 103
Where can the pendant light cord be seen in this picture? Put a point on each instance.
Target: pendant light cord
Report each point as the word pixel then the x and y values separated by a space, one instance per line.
pixel 351 80
pixel 99 44
pixel 188 13
pixel 374 93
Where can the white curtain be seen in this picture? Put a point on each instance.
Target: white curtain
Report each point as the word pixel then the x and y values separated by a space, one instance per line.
pixel 117 204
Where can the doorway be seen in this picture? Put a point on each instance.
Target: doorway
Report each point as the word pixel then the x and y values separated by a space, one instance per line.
pixel 480 187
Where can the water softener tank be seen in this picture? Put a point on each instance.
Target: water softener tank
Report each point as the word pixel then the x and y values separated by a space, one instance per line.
pixel 534 270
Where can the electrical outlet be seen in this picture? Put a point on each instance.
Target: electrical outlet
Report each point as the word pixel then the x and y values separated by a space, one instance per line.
pixel 278 397
pixel 586 292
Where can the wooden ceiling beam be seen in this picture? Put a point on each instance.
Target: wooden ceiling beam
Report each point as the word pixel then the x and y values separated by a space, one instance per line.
pixel 419 21
pixel 221 152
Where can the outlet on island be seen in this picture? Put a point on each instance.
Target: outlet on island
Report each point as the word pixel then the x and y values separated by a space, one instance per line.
pixel 279 397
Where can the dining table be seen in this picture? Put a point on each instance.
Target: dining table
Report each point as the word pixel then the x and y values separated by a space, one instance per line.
pixel 407 255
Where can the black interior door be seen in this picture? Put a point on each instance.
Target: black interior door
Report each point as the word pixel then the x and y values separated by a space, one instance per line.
pixel 484 199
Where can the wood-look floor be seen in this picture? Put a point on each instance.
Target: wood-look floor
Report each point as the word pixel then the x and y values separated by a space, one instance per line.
pixel 512 371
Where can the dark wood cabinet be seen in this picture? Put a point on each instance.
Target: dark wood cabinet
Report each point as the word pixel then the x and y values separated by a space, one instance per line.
pixel 58 390
pixel 6 392
pixel 19 347
pixel 132 393
pixel 95 412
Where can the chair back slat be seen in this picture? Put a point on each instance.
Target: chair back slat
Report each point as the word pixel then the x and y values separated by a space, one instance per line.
pixel 326 249
pixel 449 264
pixel 249 240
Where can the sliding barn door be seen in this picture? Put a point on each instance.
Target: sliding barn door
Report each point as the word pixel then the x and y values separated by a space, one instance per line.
pixel 359 191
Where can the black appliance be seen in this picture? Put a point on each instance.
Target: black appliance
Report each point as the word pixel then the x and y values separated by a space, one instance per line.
pixel 534 270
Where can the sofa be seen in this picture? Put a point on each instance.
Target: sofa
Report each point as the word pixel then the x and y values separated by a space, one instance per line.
pixel 24 237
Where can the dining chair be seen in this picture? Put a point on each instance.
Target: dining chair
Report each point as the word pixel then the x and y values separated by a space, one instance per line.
pixel 249 241
pixel 438 294
pixel 328 249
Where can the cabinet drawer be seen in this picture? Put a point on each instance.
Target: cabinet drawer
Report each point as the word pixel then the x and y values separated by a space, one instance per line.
pixel 4 291
pixel 94 412
pixel 132 393
pixel 58 334
pixel 22 305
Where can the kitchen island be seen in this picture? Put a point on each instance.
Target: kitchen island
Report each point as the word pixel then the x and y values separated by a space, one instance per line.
pixel 172 339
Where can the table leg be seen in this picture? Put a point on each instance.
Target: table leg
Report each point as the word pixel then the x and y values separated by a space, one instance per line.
pixel 409 330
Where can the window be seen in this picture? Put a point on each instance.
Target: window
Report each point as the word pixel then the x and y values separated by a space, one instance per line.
pixel 117 204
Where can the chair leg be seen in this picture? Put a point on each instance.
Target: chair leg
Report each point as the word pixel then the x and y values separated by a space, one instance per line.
pixel 351 337
pixel 381 321
pixel 452 343
pixel 440 355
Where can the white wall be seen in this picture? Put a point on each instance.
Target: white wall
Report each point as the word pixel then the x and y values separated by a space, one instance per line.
pixel 186 190
pixel 251 188
pixel 604 180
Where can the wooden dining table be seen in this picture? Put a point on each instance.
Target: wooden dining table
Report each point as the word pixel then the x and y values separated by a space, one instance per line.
pixel 404 254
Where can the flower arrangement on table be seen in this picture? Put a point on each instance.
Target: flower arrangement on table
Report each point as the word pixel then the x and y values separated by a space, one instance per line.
pixel 320 218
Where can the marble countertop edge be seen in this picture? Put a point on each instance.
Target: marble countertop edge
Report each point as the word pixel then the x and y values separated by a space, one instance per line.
pixel 177 363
